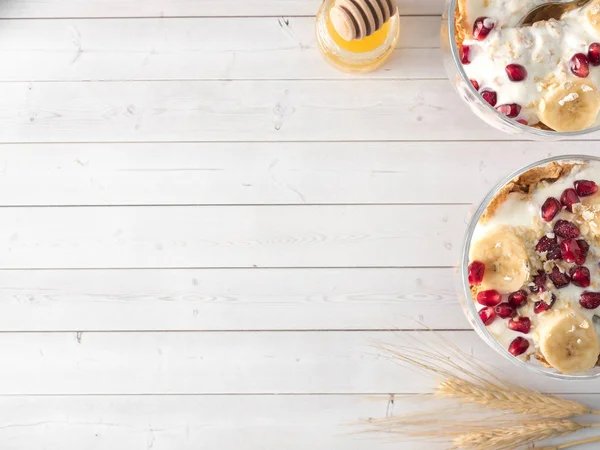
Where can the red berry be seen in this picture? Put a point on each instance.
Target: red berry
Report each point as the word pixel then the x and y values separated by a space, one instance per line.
pixel 585 188
pixel 594 54
pixel 516 72
pixel 482 27
pixel 476 272
pixel 490 96
pixel 590 300
pixel 550 209
pixel 475 84
pixel 517 299
pixel 505 310
pixel 489 298
pixel 585 248
pixel 558 278
pixel 570 250
pixel 580 276
pixel 487 315
pixel 569 198
pixel 518 346
pixel 580 65
pixel 464 54
pixel 523 122
pixel 566 229
pixel 520 324
pixel 511 110
pixel 539 282
pixel 542 306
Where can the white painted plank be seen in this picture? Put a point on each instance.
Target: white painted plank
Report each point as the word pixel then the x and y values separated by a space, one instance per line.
pixel 233 299
pixel 253 236
pixel 318 422
pixel 261 173
pixel 176 8
pixel 217 48
pixel 345 110
pixel 229 363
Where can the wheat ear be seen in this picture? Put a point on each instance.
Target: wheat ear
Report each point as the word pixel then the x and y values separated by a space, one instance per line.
pixel 570 444
pixel 517 400
pixel 509 438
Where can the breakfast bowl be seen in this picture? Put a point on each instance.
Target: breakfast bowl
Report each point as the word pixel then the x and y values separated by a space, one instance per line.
pixel 529 273
pixel 541 82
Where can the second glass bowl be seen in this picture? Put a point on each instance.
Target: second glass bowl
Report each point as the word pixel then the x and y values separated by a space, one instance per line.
pixel 464 289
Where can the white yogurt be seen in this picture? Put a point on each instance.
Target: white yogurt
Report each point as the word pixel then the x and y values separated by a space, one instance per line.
pixel 544 49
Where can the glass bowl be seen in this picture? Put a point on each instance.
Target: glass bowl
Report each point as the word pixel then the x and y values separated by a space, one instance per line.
pixel 482 109
pixel 464 291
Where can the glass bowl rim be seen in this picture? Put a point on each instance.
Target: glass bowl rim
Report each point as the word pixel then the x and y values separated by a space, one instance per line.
pixel 464 263
pixel 452 5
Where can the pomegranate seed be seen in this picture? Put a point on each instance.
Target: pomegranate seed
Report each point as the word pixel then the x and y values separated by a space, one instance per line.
pixel 590 300
pixel 570 250
pixel 487 315
pixel 594 54
pixel 585 188
pixel 476 272
pixel 580 276
pixel 516 72
pixel 550 209
pixel 539 282
pixel 569 198
pixel 475 84
pixel 560 279
pixel 523 122
pixel 464 54
pixel 517 299
pixel 518 346
pixel 482 27
pixel 489 298
pixel 490 96
pixel 580 65
pixel 505 310
pixel 542 306
pixel 520 324
pixel 511 110
pixel 585 248
pixel 566 229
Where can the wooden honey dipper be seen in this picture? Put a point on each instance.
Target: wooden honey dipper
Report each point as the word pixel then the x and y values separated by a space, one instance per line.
pixel 357 19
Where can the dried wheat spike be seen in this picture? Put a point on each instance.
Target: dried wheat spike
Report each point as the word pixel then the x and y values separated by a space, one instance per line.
pixel 509 438
pixel 517 400
pixel 357 19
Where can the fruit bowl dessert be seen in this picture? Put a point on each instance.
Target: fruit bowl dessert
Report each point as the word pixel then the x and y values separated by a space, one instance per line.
pixel 541 80
pixel 530 267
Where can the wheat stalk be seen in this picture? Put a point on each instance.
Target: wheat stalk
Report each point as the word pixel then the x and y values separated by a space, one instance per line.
pixel 570 444
pixel 517 399
pixel 465 380
pixel 508 438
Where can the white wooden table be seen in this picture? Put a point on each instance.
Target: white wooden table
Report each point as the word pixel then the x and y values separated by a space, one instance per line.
pixel 204 226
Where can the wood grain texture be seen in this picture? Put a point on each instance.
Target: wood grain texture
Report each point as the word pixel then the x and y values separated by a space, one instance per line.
pixel 176 8
pixel 194 49
pixel 260 173
pixel 252 236
pixel 232 363
pixel 305 110
pixel 323 422
pixel 233 299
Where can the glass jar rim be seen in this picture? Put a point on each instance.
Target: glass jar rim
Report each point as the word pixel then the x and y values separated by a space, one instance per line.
pixel 453 4
pixel 464 263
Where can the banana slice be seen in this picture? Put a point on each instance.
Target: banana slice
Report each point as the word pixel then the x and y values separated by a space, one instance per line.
pixel 593 14
pixel 570 106
pixel 569 342
pixel 506 264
